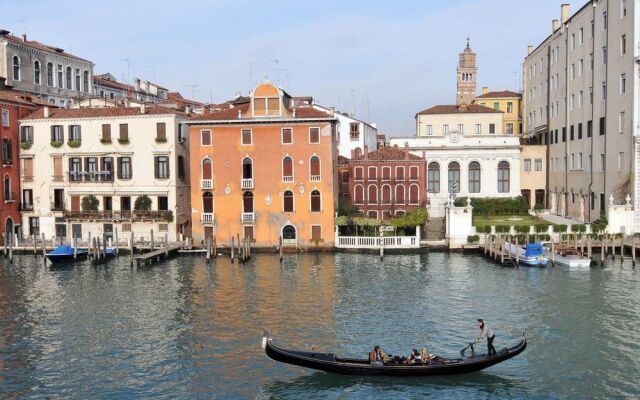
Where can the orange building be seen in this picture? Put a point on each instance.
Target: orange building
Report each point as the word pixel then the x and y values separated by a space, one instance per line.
pixel 264 168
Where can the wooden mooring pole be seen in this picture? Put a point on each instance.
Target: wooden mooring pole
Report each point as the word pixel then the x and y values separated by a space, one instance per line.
pixel 233 247
pixel 44 249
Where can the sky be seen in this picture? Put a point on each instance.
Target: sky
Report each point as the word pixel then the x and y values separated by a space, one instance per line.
pixel 382 60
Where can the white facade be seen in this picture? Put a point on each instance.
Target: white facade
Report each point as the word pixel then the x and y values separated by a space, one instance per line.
pixel 353 133
pixel 56 179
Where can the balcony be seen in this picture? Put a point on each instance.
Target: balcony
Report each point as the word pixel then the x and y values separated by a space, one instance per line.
pixel 206 184
pixel 206 218
pixel 247 183
pixel 314 178
pixel 248 217
pixel 57 207
pixel 107 215
pixel 93 176
pixel 287 179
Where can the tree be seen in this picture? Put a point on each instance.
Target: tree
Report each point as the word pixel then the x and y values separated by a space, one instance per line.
pixel 143 203
pixel 90 203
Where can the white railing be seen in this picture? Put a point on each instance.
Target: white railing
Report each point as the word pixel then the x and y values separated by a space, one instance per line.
pixel 370 242
pixel 248 217
pixel 207 217
pixel 287 179
pixel 206 184
pixel 247 183
pixel 314 178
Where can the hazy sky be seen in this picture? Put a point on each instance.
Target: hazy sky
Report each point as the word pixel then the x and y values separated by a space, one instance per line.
pixel 384 59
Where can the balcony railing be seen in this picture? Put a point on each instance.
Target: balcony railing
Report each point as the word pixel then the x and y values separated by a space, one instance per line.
pixel 314 178
pixel 247 183
pixel 287 179
pixel 206 184
pixel 207 218
pixel 95 176
pixel 107 215
pixel 57 206
pixel 248 217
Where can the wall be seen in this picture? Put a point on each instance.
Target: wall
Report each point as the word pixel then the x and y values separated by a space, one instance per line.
pixel 533 180
pixel 468 120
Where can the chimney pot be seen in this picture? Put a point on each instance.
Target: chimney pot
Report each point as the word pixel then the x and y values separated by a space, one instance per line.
pixel 366 152
pixel 45 111
pixel 529 49
pixel 564 13
pixel 24 37
pixel 485 89
pixel 555 24
pixel 143 108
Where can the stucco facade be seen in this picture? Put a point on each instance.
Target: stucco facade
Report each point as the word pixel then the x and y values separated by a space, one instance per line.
pixel 264 169
pixel 509 103
pixel 533 174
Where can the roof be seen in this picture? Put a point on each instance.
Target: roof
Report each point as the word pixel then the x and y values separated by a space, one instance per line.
pixel 499 94
pixel 240 110
pixel 99 80
pixel 456 109
pixel 38 46
pixel 388 153
pixel 17 97
pixel 177 97
pixel 58 113
pixel 343 160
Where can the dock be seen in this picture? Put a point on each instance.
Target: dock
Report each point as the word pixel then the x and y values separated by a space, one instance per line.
pixel 156 255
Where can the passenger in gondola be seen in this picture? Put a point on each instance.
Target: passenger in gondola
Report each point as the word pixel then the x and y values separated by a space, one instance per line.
pixel 486 333
pixel 414 357
pixel 375 359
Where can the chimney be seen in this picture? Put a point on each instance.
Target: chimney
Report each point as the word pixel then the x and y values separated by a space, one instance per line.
pixel 366 152
pixel 187 109
pixel 136 84
pixel 143 108
pixel 564 13
pixel 555 24
pixel 485 89
pixel 24 37
pixel 45 111
pixel 353 154
pixel 529 49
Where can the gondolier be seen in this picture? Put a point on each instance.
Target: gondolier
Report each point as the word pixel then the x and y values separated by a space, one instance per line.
pixel 486 332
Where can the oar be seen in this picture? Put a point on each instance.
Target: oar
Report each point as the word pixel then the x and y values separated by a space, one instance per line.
pixel 463 350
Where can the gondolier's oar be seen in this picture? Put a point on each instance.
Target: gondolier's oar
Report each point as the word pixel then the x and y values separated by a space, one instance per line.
pixel 470 345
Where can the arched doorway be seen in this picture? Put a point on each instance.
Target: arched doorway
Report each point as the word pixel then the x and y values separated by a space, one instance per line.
pixel 8 228
pixel 289 235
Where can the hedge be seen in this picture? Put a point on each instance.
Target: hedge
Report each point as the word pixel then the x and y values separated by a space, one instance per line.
pixel 559 228
pixel 473 239
pixel 578 228
pixel 522 228
pixel 503 228
pixel 496 205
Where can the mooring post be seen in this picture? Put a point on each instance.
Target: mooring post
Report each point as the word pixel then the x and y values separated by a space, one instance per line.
pixel 89 249
pixel 280 247
pixel 215 246
pixel 553 252
pixel 104 246
pixel 622 247
pixel 35 245
pixel 589 246
pixel 117 244
pixel 75 247
pixel 152 243
pixel 44 249
pixel 613 247
pixel 11 240
pixel 238 236
pixel 4 247
pixel 633 248
pixel 208 250
pixel 502 242
pixel 517 252
pixel 166 244
pixel 233 247
pixel 131 248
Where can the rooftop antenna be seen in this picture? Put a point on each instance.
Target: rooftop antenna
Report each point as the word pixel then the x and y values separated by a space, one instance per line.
pixel 24 26
pixel 353 103
pixel 368 110
pixel 128 69
pixel 277 62
pixel 152 69
pixel 193 87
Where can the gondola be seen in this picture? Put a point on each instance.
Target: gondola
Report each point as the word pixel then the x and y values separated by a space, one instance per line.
pixel 329 362
pixel 65 253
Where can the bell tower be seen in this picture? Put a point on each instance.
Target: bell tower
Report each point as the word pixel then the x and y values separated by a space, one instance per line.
pixel 467 72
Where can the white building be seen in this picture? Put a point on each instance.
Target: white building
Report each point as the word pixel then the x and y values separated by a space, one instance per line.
pixel 466 153
pixel 352 133
pixel 114 154
pixel 108 87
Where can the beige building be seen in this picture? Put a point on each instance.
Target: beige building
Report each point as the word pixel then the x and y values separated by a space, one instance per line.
pixel 116 155
pixel 581 99
pixel 533 174
pixel 506 101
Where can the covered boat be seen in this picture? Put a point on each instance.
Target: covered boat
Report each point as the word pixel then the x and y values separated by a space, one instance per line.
pixel 567 256
pixel 329 362
pixel 533 254
pixel 65 253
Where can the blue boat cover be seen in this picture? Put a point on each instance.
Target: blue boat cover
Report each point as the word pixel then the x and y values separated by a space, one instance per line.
pixel 62 250
pixel 533 250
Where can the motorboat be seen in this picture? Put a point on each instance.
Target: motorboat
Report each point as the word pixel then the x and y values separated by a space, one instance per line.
pixel 532 254
pixel 66 253
pixel 567 256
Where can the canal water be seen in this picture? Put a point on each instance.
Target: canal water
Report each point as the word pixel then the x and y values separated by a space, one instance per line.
pixel 185 329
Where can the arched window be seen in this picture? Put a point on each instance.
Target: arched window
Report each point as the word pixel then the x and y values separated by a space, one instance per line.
pixel 16 68
pixel 49 74
pixel 314 168
pixel 358 194
pixel 454 177
pixel 68 77
pixel 372 194
pixel 400 194
pixel 37 72
pixel 207 202
pixel 7 188
pixel 503 177
pixel 288 233
pixel 474 177
pixel 85 81
pixel 386 194
pixel 287 201
pixel 315 201
pixel 357 152
pixel 287 169
pixel 77 80
pixel 414 194
pixel 433 179
pixel 247 168
pixel 247 202
pixel 207 170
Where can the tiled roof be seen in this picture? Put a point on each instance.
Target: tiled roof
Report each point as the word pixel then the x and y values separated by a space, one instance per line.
pixel 40 46
pixel 116 85
pixel 100 112
pixel 17 97
pixel 388 153
pixel 462 108
pixel 343 160
pixel 177 97
pixel 232 113
pixel 499 94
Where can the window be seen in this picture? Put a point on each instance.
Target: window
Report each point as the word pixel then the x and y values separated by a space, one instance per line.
pixel 527 165
pixel 207 169
pixel 287 201
pixel 573 161
pixel 414 173
pixel 589 128
pixel 74 133
pixel 124 168
pixel 75 169
pixel 161 167
pixel 124 133
pixel 580 131
pixel 359 173
pixel 386 173
pixel 580 67
pixel 60 76
pixel 247 202
pixel 161 132
pixel 399 194
pixel 602 126
pixel 454 177
pixel 510 128
pixel 16 68
pixel 372 194
pixel 474 177
pixel 287 169
pixel 429 130
pixel 623 8
pixel 77 80
pixel 620 160
pixel 57 134
pixel 5 118
pixel 604 54
pixel 354 130
pixel 564 134
pixel 27 199
pixel 503 177
pixel 414 194
pixel 623 45
pixel 492 128
pixel 358 194
pixel 571 132
pixel 37 72
pixel 8 195
pixel 49 74
pixel 581 37
pixel 538 164
pixel 247 137
pixel 386 194
pixel 163 203
pixel 601 162
pixel 315 201
pixel 247 169
pixel 287 136
pixel 461 128
pixel 205 138
pixel 623 83
pixel 573 71
pixel 67 77
pixel 85 81
pixel 580 99
pixel 400 173
pixel 573 41
pixel 478 129
pixel 496 105
pixel 372 173
pixel 314 135
pixel 7 152
pixel 26 134
pixel 106 169
pixel 621 122
pixel 433 178
pixel 604 20
pixel 445 129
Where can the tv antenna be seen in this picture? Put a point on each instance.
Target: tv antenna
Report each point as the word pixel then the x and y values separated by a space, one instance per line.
pixel 193 87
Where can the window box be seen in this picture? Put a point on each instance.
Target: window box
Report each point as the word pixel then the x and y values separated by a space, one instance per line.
pixel 74 143
pixel 57 143
pixel 123 141
pixel 161 140
pixel 26 145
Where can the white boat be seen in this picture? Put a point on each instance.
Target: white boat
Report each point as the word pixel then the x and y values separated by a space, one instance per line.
pixel 567 256
pixel 533 255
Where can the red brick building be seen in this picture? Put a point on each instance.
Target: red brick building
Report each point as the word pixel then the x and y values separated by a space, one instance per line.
pixel 13 106
pixel 383 183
